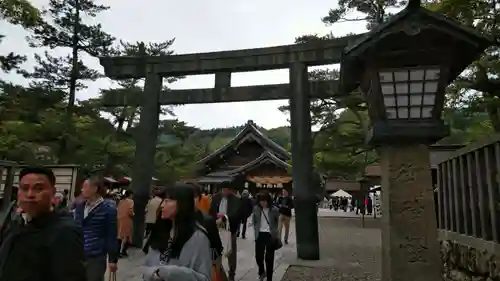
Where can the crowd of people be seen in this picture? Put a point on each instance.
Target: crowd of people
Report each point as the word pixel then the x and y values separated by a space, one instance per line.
pixel 51 239
pixel 348 204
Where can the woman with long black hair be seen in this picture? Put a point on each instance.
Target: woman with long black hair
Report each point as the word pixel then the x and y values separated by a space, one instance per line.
pixel 179 245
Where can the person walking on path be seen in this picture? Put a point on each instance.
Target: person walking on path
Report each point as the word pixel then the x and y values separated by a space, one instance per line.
pixel 179 244
pixel 44 245
pixel 202 201
pixel 247 208
pixel 153 208
pixel 125 214
pixel 97 217
pixel 265 221
pixel 285 205
pixel 369 205
pixel 210 226
pixel 226 204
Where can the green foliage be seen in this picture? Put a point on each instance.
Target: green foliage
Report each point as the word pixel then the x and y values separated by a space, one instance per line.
pixel 52 73
pixel 17 12
pixel 63 27
pixel 478 88
pixel 343 122
pixel 374 12
pixel 126 117
pixel 339 145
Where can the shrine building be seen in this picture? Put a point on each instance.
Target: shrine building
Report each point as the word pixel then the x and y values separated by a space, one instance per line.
pixel 250 161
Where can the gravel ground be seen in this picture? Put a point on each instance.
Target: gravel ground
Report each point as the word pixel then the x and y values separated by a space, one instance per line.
pixel 354 252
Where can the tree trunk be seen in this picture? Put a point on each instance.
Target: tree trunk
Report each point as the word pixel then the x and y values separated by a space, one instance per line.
pixel 110 159
pixel 494 115
pixel 131 118
pixel 69 129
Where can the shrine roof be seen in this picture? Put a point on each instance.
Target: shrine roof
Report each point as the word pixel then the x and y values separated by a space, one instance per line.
pixel 228 176
pixel 250 129
pixel 215 180
pixel 266 157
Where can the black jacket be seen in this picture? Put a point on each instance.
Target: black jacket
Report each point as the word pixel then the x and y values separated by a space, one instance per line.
pixel 234 210
pixel 47 248
pixel 247 207
pixel 285 205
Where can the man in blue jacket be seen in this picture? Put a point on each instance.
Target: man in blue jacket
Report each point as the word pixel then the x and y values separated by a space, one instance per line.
pixel 98 220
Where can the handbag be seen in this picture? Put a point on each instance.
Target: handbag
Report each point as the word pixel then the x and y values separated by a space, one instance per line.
pixel 225 236
pixel 275 242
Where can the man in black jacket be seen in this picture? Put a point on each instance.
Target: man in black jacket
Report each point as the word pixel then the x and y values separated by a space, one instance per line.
pixel 246 210
pixel 223 204
pixel 285 205
pixel 45 245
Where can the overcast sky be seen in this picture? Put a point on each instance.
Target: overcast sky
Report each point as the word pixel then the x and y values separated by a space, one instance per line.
pixel 205 26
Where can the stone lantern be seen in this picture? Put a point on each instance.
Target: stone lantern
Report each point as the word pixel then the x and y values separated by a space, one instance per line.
pixel 403 67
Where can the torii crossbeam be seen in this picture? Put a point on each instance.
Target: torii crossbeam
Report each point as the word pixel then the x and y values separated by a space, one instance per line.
pixel 317 89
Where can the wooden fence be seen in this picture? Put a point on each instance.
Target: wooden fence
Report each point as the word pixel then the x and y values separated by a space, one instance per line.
pixel 469 191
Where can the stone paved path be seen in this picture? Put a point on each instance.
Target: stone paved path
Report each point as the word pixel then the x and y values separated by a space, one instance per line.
pixel 129 269
pixel 349 252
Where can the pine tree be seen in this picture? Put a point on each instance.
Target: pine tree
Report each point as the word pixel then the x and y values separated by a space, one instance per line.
pixel 18 12
pixel 374 12
pixel 64 27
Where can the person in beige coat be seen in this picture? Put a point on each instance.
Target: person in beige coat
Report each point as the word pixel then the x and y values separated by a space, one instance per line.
pixel 125 213
pixel 153 208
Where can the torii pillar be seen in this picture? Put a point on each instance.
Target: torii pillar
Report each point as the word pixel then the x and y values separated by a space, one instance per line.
pixel 306 216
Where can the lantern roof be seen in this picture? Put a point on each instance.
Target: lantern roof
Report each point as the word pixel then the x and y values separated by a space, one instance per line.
pixel 471 43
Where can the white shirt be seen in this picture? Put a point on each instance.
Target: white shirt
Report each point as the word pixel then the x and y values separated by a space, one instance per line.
pixel 91 206
pixel 223 206
pixel 264 225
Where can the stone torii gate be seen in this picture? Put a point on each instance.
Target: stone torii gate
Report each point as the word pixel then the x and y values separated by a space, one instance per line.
pixel 294 57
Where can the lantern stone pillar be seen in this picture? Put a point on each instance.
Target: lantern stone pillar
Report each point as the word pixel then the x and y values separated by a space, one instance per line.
pixel 145 150
pixel 403 68
pixel 304 189
pixel 410 250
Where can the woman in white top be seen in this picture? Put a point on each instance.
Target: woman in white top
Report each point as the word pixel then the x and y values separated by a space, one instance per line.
pixel 265 221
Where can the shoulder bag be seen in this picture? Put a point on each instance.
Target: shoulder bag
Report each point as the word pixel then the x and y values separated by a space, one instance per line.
pixel 225 236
